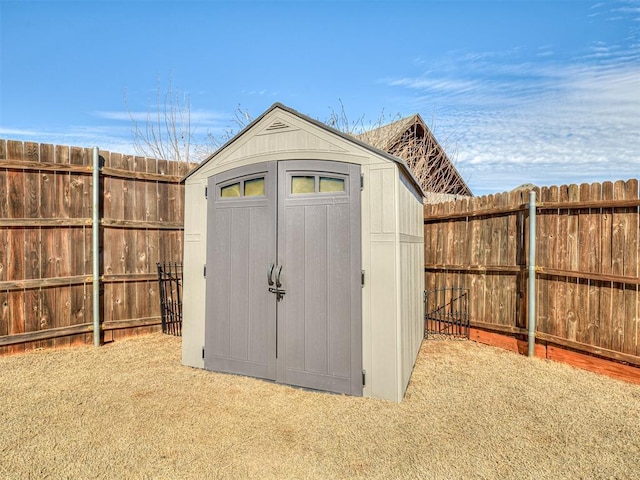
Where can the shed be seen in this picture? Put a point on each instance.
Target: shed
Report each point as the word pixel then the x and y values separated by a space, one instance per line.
pixel 304 260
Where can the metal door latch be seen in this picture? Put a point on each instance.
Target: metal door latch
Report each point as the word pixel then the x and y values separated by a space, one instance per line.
pixel 278 291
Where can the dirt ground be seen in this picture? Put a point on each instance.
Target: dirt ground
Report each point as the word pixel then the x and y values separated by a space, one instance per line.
pixel 131 410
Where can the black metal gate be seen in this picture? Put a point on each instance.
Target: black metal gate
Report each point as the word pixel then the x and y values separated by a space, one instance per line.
pixel 170 280
pixel 446 313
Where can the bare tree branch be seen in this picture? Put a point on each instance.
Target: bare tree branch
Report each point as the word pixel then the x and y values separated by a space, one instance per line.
pixel 167 133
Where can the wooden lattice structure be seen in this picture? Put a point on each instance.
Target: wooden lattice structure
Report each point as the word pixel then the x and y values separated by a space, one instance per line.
pixel 411 140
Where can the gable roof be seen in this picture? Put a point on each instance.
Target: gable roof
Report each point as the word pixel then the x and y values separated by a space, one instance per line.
pixel 279 106
pixel 382 136
pixel 410 139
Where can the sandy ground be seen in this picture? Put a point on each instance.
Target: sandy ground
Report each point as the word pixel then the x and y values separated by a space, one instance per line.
pixel 131 410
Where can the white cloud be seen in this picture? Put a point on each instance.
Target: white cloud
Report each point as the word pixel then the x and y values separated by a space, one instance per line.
pixel 16 132
pixel 196 116
pixel 543 122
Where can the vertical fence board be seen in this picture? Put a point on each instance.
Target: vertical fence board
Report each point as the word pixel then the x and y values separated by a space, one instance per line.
pixel 511 260
pixel 631 269
pixel 594 266
pixel 507 280
pixel 470 256
pixel 618 225
pixel 15 263
pixel 606 330
pixel 543 245
pixel 32 244
pixel 571 284
pixel 47 297
pixel 563 294
pixel 4 243
pixel 520 260
pixel 4 313
pixel 582 265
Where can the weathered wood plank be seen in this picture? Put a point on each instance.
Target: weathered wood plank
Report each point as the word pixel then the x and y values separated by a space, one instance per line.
pixel 581 304
pixel 4 313
pixel 594 266
pixel 555 298
pixel 484 283
pixel 572 259
pixel 506 282
pixel 32 184
pixel 606 230
pixel 16 248
pixel 32 304
pixel 471 258
pixel 543 244
pixel 61 314
pixel 129 239
pixel 563 289
pixel 521 262
pixel 47 298
pixel 145 176
pixel 44 222
pixel 78 266
pixel 136 224
pixel 632 269
pixel 619 220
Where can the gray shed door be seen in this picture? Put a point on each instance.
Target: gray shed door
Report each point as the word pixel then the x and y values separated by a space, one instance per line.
pixel 298 233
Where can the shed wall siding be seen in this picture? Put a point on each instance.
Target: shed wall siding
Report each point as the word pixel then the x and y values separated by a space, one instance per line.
pixel 382 244
pixel 411 273
pixel 194 284
pixel 411 308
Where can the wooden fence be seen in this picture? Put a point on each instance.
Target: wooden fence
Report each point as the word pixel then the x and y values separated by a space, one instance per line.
pixel 46 242
pixel 587 267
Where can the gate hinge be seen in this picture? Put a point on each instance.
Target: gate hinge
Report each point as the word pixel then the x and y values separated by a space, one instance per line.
pixel 204 271
pixel 206 191
pixel 362 278
pixel 364 377
pixel 362 181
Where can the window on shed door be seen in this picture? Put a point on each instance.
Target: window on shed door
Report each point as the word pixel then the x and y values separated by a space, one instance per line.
pixel 330 184
pixel 301 184
pixel 252 187
pixel 232 190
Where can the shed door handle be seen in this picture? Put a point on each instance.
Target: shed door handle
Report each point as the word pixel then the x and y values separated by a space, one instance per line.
pixel 278 272
pixel 270 274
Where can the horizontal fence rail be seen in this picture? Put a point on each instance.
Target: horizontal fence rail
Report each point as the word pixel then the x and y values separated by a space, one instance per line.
pixel 46 242
pixel 587 268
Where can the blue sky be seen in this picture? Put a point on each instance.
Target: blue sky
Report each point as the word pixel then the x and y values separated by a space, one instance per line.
pixel 517 91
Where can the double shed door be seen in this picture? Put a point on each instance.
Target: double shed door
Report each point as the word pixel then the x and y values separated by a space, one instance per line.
pixel 283 274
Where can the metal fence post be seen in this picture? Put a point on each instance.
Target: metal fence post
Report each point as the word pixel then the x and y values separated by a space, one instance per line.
pixel 531 293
